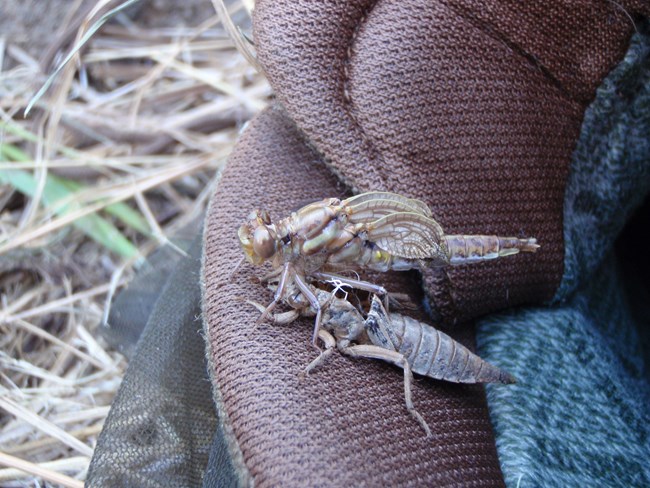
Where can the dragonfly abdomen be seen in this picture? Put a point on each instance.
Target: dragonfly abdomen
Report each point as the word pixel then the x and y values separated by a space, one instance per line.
pixel 471 248
pixel 428 351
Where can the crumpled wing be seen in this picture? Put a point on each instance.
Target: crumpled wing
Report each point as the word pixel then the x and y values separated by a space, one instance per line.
pixel 409 235
pixel 368 207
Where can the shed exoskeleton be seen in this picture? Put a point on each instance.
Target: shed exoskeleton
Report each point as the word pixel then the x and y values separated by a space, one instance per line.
pixel 403 341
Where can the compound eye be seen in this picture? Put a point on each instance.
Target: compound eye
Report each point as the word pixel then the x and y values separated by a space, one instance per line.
pixel 263 243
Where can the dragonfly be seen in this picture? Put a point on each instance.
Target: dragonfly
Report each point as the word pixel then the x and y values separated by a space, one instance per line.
pixel 398 339
pixel 378 231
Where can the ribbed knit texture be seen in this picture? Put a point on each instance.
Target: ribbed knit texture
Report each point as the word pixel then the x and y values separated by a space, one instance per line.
pixel 580 413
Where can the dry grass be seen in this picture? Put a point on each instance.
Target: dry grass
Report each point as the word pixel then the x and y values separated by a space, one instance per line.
pixel 129 141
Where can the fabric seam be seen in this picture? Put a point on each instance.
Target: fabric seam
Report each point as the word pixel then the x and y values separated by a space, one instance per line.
pixel 516 48
pixel 347 102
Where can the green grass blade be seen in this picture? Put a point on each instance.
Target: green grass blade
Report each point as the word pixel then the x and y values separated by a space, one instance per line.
pixel 15 129
pixel 54 193
pixel 120 211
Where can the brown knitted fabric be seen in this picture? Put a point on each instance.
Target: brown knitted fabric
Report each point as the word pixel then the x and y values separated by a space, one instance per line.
pixel 346 423
pixel 473 107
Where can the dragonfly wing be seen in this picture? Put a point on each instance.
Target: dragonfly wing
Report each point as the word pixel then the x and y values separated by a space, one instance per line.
pixel 409 235
pixel 371 206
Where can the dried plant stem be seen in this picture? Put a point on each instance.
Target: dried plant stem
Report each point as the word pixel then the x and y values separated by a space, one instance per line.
pixel 33 446
pixel 45 426
pixel 49 337
pixel 130 141
pixel 38 470
pixel 235 34
pixel 56 305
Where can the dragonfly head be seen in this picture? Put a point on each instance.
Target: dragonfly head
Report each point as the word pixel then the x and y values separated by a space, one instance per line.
pixel 258 237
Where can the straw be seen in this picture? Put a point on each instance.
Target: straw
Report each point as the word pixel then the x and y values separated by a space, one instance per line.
pixel 128 135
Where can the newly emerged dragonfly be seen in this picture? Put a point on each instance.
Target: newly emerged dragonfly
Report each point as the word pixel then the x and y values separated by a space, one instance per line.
pixel 397 339
pixel 378 231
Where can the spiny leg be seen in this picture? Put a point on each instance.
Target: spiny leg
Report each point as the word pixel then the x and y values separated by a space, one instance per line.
pixel 287 274
pixel 375 352
pixel 306 290
pixel 351 282
pixel 329 342
pixel 358 284
pixel 278 318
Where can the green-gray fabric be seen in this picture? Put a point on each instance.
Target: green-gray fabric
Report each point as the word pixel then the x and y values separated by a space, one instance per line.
pixel 580 414
pixel 161 427
pixel 131 308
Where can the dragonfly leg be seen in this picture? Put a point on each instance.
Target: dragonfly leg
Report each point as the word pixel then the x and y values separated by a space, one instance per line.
pixel 330 342
pixel 375 352
pixel 306 290
pixel 279 318
pixel 287 274
pixel 358 284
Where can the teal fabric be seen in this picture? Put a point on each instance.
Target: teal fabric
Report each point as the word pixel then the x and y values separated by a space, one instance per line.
pixel 580 413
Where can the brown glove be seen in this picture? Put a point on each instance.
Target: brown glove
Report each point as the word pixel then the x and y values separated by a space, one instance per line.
pixel 473 109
